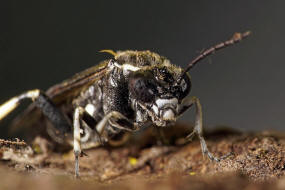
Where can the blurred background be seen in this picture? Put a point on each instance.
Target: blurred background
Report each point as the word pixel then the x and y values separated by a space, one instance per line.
pixel 45 42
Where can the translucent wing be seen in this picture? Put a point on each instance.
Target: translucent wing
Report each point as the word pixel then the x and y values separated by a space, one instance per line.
pixel 62 95
pixel 70 88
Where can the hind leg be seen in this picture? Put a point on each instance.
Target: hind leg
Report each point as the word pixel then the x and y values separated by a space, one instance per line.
pixel 43 102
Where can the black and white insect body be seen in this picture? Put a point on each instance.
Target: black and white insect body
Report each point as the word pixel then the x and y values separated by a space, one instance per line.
pixel 132 90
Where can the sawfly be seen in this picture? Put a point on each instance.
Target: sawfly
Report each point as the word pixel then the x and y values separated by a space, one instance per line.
pixel 132 90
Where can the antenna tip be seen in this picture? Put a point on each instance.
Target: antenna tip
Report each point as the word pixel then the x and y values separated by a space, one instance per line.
pixel 238 36
pixel 247 33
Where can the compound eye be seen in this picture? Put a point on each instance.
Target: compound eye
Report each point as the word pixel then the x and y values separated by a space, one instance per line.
pixel 143 88
pixel 183 89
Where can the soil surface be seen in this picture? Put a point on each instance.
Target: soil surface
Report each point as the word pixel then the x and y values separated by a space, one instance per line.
pixel 255 161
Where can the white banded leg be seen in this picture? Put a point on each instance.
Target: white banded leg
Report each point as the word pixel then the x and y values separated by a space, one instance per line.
pixel 48 108
pixel 78 113
pixel 76 137
pixel 198 128
pixel 11 104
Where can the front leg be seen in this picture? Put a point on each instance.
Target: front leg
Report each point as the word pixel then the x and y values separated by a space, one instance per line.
pixel 111 118
pixel 198 128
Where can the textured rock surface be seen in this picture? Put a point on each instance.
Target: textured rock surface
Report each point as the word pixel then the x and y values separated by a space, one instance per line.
pixel 257 161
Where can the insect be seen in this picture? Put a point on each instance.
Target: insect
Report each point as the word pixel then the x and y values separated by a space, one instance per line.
pixel 132 90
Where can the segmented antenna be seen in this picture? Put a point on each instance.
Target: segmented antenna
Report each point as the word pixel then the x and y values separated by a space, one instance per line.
pixel 237 37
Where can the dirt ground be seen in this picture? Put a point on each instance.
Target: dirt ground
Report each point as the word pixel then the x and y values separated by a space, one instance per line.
pixel 255 161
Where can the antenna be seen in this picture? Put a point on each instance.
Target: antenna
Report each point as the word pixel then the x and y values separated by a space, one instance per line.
pixel 237 37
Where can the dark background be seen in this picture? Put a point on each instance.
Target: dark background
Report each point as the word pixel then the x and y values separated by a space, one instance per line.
pixel 44 42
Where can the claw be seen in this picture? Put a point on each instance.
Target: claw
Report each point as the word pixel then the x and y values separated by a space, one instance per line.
pixel 83 154
pixel 226 155
pixel 189 137
pixel 213 158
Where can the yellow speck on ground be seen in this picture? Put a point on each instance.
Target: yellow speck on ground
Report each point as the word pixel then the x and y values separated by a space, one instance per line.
pixel 192 173
pixel 133 161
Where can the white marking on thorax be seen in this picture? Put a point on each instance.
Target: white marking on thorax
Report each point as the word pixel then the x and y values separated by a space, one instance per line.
pixel 90 108
pixel 112 82
pixel 139 117
pixel 127 67
pixel 91 90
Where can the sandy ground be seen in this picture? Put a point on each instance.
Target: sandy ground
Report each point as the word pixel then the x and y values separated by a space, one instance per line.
pixel 256 161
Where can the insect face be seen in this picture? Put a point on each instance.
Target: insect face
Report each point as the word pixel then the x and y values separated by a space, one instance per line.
pixel 155 90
